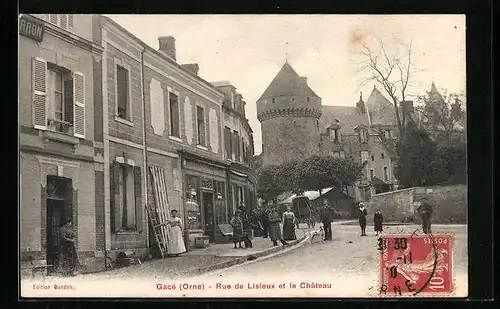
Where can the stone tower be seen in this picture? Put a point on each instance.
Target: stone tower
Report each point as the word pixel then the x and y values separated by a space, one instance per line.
pixel 289 111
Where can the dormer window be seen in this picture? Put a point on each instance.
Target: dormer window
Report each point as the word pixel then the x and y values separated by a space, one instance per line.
pixel 335 135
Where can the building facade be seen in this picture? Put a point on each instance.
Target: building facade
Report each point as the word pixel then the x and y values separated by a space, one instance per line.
pixel 165 143
pixel 238 151
pixel 61 143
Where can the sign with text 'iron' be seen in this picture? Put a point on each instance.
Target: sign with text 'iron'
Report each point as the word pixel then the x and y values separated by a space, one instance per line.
pixel 31 28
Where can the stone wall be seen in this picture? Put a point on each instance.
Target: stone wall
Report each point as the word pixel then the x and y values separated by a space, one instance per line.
pixel 450 204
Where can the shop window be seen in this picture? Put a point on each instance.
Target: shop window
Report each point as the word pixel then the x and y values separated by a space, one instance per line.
pixel 126 197
pixel 200 125
pixel 174 115
pixel 193 204
pixel 220 203
pixel 58 98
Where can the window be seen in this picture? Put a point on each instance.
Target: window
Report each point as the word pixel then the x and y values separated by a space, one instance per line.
pixel 232 100
pixel 386 174
pixel 221 214
pixel 193 203
pixel 200 125
pixel 372 174
pixel 363 136
pixel 382 155
pixel 334 135
pixel 317 124
pixel 126 196
pixel 58 98
pixel 123 92
pixel 293 99
pixel 228 142
pixel 308 99
pixel 238 197
pixel 274 100
pixel 342 154
pixel 336 154
pixel 64 21
pixel 236 145
pixel 174 114
pixel 373 158
pixel 364 156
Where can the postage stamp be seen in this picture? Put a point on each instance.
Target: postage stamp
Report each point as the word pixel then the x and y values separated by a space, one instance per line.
pixel 416 265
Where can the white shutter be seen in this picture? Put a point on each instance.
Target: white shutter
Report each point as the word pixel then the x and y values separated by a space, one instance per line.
pixel 40 106
pixel 63 21
pixel 79 108
pixel 70 21
pixel 53 18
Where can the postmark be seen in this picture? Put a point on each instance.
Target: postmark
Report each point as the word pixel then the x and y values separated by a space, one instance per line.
pixel 416 265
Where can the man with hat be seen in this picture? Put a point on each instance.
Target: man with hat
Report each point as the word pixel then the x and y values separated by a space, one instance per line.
pixel 327 218
pixel 425 210
pixel 362 213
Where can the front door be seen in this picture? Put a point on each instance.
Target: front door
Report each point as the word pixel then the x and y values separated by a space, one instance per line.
pixel 208 210
pixel 59 201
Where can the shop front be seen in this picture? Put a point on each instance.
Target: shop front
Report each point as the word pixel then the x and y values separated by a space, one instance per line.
pixel 205 202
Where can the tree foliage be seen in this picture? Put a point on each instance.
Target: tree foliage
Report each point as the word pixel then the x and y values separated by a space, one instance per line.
pixel 443 116
pixel 314 173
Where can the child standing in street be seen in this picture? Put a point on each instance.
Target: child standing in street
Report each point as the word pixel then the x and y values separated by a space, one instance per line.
pixel 378 219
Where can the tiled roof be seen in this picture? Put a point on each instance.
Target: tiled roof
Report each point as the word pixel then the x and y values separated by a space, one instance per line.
pixel 380 108
pixel 287 83
pixel 348 117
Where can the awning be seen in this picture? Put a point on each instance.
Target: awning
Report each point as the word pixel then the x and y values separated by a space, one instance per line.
pixel 239 174
pixel 312 195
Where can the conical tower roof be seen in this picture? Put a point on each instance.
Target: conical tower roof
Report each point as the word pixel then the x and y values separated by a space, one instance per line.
pixel 288 83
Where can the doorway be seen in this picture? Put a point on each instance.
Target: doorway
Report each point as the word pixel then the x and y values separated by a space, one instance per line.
pixel 59 208
pixel 208 210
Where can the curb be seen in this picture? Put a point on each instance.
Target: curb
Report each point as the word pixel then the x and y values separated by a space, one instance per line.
pixel 241 260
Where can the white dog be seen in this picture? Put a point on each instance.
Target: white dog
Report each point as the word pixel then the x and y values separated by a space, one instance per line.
pixel 319 233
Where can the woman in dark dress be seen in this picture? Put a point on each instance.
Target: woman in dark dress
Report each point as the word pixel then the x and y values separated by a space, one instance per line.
pixel 68 252
pixel 378 219
pixel 274 227
pixel 289 224
pixel 362 213
pixel 237 225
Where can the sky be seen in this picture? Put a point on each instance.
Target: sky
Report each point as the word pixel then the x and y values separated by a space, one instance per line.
pixel 249 50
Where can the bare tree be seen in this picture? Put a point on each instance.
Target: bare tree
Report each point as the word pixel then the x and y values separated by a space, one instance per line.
pixel 391 68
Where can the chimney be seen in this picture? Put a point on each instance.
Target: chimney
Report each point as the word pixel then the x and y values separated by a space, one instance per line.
pixel 191 67
pixel 304 80
pixel 361 104
pixel 167 46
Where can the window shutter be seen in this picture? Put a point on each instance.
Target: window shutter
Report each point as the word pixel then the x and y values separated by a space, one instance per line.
pixel 227 141
pixel 53 18
pixel 68 100
pixel 114 193
pixel 79 107
pixel 70 21
pixel 138 198
pixel 40 106
pixel 63 19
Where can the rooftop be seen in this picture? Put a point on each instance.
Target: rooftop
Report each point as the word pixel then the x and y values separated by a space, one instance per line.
pixel 288 83
pixel 348 118
pixel 381 110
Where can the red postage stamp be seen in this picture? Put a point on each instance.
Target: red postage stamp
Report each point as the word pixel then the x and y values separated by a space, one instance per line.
pixel 416 265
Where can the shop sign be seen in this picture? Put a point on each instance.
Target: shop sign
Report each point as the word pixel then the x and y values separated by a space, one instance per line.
pixel 31 28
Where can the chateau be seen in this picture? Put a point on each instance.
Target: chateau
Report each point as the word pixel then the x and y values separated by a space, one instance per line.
pixel 296 125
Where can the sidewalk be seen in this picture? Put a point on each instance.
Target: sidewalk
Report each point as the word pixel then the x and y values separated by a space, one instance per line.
pixel 198 261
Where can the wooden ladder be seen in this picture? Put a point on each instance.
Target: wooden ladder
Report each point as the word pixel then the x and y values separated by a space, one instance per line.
pixel 161 241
